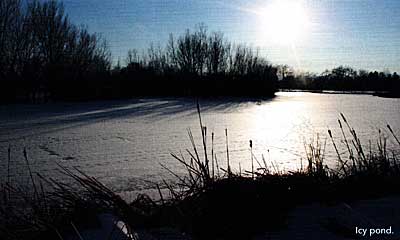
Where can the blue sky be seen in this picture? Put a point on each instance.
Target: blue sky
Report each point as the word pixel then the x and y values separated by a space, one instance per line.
pixel 360 33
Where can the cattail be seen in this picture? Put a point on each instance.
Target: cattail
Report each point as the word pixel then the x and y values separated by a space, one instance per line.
pixel 212 154
pixel 252 161
pixel 227 152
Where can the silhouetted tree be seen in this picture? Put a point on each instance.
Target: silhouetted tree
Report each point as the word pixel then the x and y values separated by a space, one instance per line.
pixel 132 57
pixel 42 48
pixel 11 24
pixel 217 54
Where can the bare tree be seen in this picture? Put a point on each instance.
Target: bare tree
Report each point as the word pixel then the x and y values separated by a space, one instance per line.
pixel 10 27
pixel 157 59
pixel 132 57
pixel 199 45
pixel 172 58
pixel 49 29
pixel 217 54
pixel 191 51
pixel 284 71
pixel 241 57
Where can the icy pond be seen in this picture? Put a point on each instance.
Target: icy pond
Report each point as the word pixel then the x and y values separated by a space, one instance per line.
pixel 122 143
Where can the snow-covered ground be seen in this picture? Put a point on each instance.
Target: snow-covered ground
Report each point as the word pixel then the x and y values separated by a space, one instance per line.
pixel 122 143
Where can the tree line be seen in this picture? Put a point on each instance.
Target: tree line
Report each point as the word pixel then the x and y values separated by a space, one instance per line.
pixel 44 56
pixel 341 78
pixel 197 63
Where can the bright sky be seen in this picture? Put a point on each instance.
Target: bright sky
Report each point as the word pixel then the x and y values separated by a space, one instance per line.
pixel 310 35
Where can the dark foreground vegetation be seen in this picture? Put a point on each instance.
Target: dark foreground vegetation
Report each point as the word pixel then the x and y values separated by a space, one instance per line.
pixel 209 202
pixel 342 78
pixel 43 56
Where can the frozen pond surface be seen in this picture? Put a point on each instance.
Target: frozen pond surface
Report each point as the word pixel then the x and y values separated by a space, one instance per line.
pixel 123 142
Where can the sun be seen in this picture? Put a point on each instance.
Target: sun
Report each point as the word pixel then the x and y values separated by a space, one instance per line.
pixel 283 22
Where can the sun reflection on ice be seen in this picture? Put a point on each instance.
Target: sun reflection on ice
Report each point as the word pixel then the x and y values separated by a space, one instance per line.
pixel 274 124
